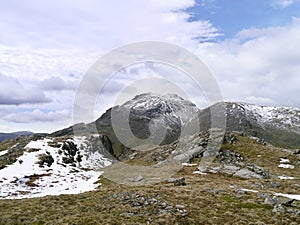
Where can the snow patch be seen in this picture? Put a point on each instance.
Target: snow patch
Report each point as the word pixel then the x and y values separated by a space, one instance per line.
pixel 189 164
pixel 286 166
pixel 282 160
pixel 286 178
pixel 26 178
pixel 3 152
pixel 249 190
pixel 291 196
pixel 199 172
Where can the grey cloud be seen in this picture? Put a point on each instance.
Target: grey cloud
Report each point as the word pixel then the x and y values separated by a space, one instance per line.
pixel 57 84
pixel 13 92
pixel 36 116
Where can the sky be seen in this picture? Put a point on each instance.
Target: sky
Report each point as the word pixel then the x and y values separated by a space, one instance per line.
pixel 46 47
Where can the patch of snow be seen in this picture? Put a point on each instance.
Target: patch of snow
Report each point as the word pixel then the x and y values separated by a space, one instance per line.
pixel 282 117
pixel 282 160
pixel 189 164
pixel 3 152
pixel 291 196
pixel 286 166
pixel 199 172
pixel 59 178
pixel 286 178
pixel 249 190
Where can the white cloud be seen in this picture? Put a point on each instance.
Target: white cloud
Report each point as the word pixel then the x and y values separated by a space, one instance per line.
pixel 48 46
pixel 260 65
pixel 97 25
pixel 282 4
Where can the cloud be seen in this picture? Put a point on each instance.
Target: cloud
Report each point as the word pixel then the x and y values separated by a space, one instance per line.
pixel 259 65
pixel 46 47
pixel 13 92
pixel 98 25
pixel 57 84
pixel 36 116
pixel 281 4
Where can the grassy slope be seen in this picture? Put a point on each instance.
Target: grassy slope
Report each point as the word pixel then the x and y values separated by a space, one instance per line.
pixel 209 199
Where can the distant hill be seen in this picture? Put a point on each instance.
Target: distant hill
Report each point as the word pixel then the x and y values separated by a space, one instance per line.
pixel 5 136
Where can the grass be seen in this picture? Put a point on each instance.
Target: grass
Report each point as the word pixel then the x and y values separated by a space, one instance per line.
pixel 208 199
pixel 99 207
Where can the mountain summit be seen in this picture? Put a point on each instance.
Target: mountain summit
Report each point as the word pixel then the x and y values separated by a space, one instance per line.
pixel 148 111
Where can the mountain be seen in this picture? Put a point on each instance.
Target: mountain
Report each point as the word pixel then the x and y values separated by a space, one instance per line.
pixel 5 136
pixel 279 126
pixel 253 177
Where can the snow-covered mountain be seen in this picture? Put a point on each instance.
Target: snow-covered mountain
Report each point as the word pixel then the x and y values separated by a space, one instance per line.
pixel 277 125
pixel 281 117
pixel 168 111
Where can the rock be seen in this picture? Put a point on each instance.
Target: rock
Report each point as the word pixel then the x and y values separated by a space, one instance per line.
pixel 275 184
pixel 171 180
pixel 179 206
pixel 230 169
pixel 229 157
pixel 189 154
pixel 278 209
pixel 180 182
pixel 240 192
pixel 137 179
pixel 289 203
pixel 177 181
pixel 259 170
pixel 272 201
pixel 213 169
pixel 297 152
pixel 246 174
pixel 214 191
pixel 262 195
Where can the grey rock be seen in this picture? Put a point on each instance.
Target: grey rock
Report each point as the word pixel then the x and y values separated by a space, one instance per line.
pixel 240 192
pixel 230 169
pixel 275 184
pixel 262 195
pixel 137 179
pixel 289 203
pixel 180 182
pixel 177 181
pixel 180 206
pixel 189 154
pixel 246 174
pixel 259 170
pixel 272 201
pixel 213 169
pixel 278 209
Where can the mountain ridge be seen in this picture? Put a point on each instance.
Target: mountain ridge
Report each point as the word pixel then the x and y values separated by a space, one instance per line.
pixel 11 135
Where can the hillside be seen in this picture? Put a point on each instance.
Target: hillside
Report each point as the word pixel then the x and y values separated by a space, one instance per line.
pixel 5 136
pixel 207 198
pixel 248 173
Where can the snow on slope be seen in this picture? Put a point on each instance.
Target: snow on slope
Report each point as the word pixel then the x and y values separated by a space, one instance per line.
pixel 26 178
pixel 282 117
pixel 169 105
